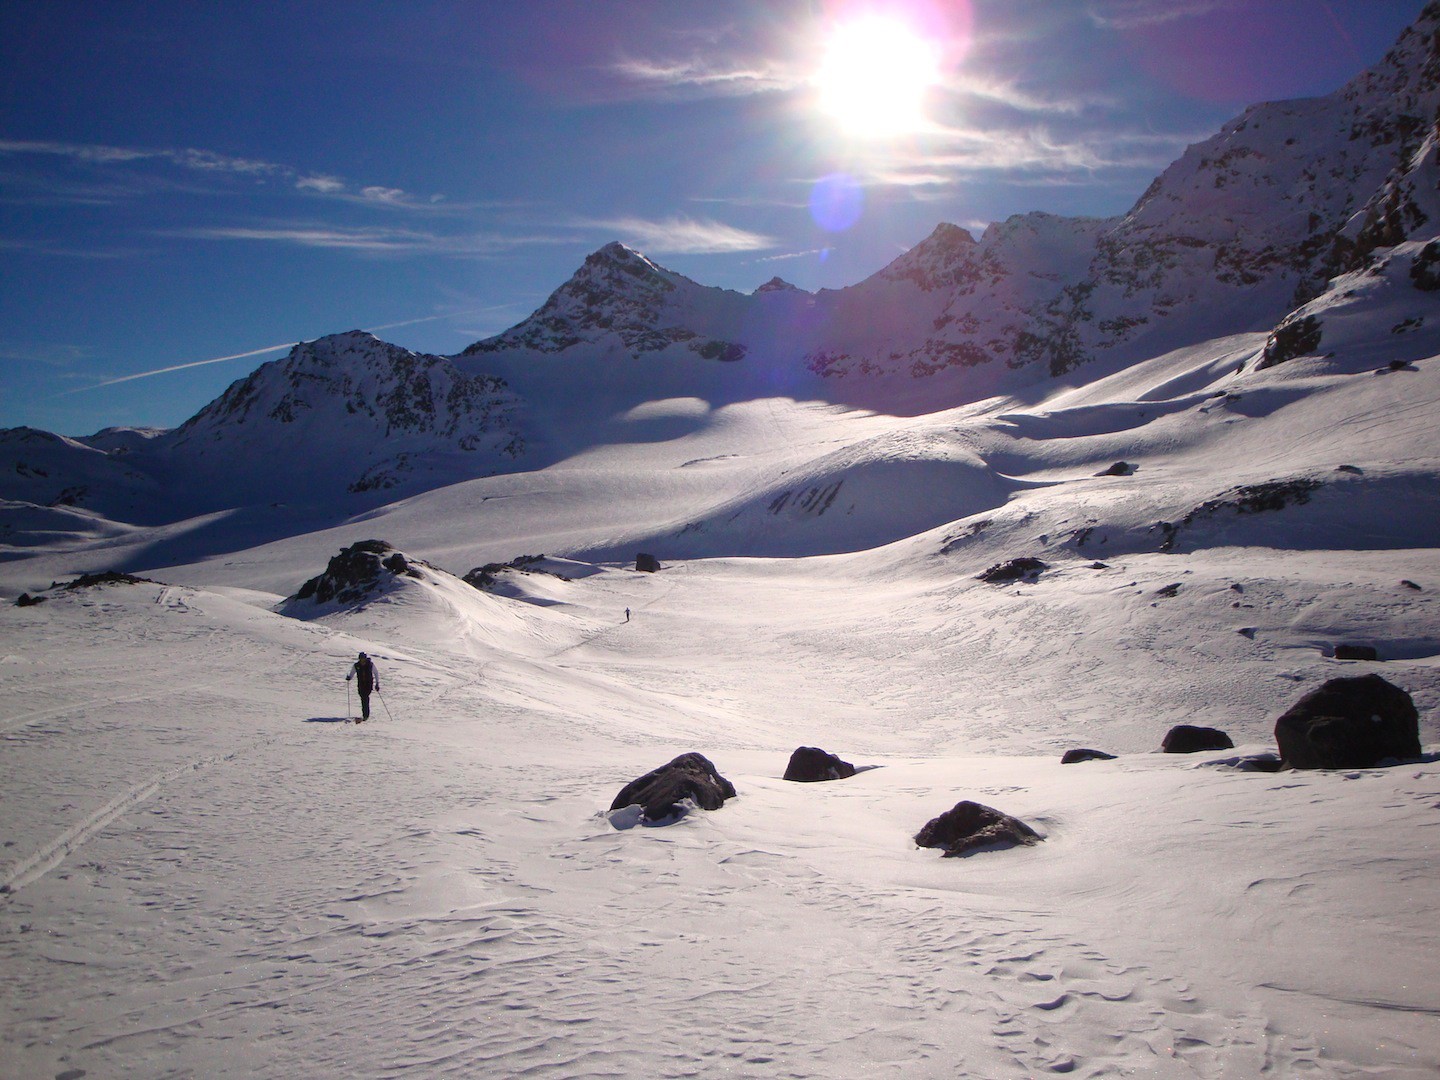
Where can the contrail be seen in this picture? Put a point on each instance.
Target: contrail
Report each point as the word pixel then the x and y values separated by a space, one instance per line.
pixel 267 349
pixel 182 367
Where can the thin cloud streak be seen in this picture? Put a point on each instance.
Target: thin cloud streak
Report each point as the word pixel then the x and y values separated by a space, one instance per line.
pixel 1135 14
pixel 378 241
pixel 683 236
pixel 210 162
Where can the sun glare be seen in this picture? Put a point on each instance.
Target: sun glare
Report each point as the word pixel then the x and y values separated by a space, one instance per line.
pixel 875 76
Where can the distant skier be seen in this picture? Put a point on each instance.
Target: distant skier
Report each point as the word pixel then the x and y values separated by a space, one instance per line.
pixel 627 614
pixel 366 680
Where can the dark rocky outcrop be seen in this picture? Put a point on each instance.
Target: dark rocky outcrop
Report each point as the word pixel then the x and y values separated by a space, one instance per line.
pixel 647 564
pixel 809 764
pixel 659 792
pixel 1073 757
pixel 355 573
pixel 971 826
pixel 1120 468
pixel 1290 340
pixel 1189 739
pixel 1352 723
pixel 105 577
pixel 1356 652
pixel 26 600
pixel 1024 568
pixel 487 576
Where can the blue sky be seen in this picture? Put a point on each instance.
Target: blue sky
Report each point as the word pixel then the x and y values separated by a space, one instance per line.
pixel 183 185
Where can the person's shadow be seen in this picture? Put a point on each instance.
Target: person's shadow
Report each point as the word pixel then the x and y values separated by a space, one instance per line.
pixel 328 720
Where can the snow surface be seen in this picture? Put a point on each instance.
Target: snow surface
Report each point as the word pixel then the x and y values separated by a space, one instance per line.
pixel 209 873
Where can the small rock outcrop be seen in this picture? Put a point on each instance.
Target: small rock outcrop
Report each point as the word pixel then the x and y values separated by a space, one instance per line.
pixel 809 764
pixel 1351 723
pixel 1073 757
pixel 971 826
pixel 647 564
pixel 659 792
pixel 1189 739
pixel 355 573
pixel 1024 568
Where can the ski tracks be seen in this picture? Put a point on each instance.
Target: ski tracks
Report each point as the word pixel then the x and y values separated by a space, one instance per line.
pixel 50 855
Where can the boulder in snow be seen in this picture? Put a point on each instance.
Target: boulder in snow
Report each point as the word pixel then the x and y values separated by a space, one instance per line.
pixel 1189 739
pixel 971 826
pixel 1350 723
pixel 809 764
pixel 646 563
pixel 659 792
pixel 1073 757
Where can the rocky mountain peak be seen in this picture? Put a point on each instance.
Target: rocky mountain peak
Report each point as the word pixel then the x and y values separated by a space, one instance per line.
pixel 776 285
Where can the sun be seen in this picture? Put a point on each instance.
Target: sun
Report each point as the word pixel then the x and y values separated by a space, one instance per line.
pixel 875 77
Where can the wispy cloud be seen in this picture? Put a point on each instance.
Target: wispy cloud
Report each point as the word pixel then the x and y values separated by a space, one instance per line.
pixel 966 84
pixel 683 236
pixel 706 76
pixel 376 240
pixel 1135 14
pixel 209 162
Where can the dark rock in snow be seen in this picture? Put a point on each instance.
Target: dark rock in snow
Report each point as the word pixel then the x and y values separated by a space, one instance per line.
pixel 356 572
pixel 1074 757
pixel 485 577
pixel 1407 583
pixel 659 792
pixel 646 563
pixel 1291 339
pixel 26 600
pixel 1169 590
pixel 971 826
pixel 1189 739
pixel 1425 270
pixel 1021 569
pixel 1120 468
pixel 809 764
pixel 105 577
pixel 1352 723
pixel 1356 652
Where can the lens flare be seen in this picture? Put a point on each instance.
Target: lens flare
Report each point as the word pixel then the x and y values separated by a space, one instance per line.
pixel 836 202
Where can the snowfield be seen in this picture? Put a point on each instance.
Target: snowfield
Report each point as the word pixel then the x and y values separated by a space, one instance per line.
pixel 208 872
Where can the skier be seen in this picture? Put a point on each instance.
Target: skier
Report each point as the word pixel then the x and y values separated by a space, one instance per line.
pixel 366 679
pixel 627 614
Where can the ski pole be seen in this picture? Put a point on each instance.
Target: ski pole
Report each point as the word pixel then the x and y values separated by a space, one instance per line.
pixel 382 702
pixel 347 701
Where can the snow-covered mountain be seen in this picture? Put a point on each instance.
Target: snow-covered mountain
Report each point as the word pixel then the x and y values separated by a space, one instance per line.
pixel 1241 229
pixel 1240 232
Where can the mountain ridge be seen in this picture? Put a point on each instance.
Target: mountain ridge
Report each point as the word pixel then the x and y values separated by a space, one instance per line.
pixel 1305 221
